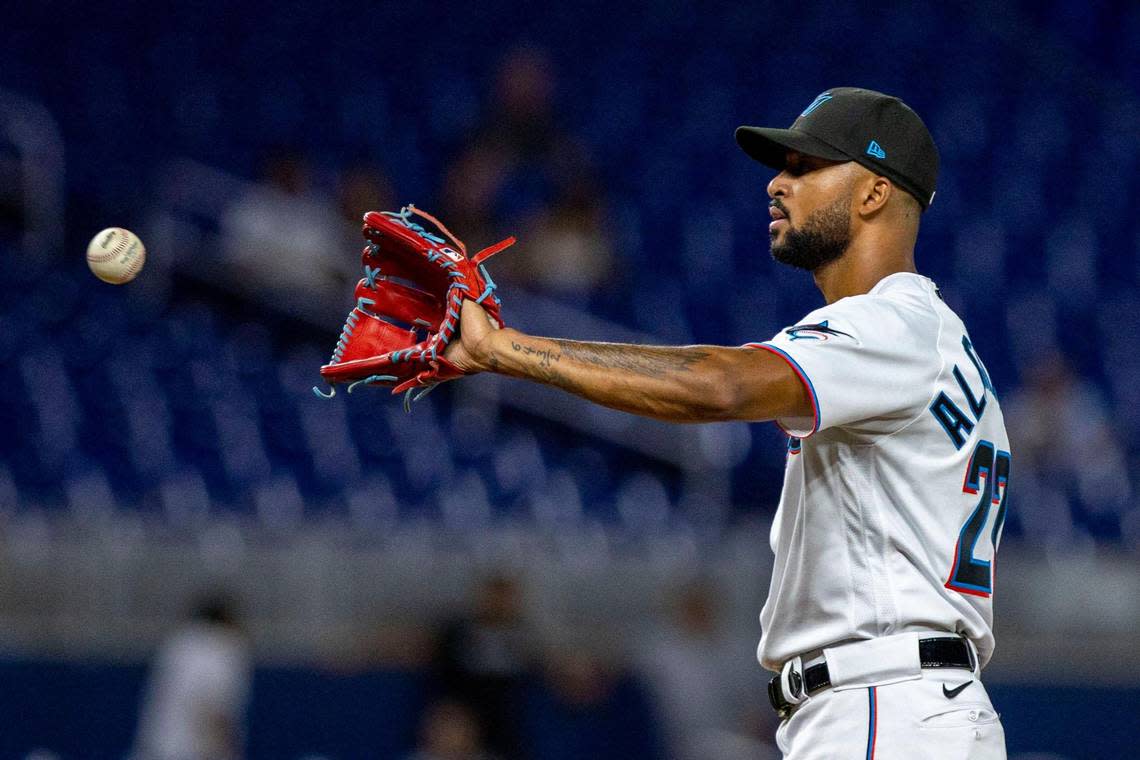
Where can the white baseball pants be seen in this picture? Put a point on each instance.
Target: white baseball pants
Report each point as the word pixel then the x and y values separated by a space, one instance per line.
pixel 904 720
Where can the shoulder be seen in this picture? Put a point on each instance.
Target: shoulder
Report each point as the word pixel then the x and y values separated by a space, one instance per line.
pixel 901 305
pixel 901 293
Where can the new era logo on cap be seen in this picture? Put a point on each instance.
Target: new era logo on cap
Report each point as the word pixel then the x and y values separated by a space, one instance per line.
pixel 874 150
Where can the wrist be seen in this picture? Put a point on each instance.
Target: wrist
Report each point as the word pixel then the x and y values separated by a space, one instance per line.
pixel 491 353
pixel 487 352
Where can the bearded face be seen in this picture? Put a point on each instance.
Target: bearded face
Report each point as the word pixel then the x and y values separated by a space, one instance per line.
pixel 819 239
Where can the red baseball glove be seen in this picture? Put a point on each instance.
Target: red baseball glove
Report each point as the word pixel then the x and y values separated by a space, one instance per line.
pixel 407 305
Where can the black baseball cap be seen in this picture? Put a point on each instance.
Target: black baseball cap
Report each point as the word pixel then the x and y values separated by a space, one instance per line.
pixel 875 130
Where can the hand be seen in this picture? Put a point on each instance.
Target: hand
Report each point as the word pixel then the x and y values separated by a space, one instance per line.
pixel 472 351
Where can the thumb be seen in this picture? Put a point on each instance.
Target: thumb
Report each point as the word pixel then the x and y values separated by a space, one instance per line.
pixel 474 329
pixel 475 324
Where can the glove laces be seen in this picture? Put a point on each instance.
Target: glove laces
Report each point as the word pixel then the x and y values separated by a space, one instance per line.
pixel 455 297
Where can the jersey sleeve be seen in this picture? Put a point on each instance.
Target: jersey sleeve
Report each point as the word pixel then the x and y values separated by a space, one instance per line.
pixel 868 365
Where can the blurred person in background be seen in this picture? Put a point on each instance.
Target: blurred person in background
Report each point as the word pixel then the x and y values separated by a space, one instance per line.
pixel 585 707
pixel 284 235
pixel 450 731
pixel 484 659
pixel 470 189
pixel 521 170
pixel 195 700
pixel 567 250
pixel 1068 450
pixel 362 186
pixel 701 693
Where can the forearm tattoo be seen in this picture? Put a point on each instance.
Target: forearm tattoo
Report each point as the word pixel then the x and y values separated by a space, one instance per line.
pixel 545 371
pixel 545 355
pixel 647 361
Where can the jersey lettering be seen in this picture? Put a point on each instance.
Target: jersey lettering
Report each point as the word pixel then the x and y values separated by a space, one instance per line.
pixel 953 420
pixel 981 368
pixel 976 406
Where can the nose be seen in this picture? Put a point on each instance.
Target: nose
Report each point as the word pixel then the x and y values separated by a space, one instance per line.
pixel 778 187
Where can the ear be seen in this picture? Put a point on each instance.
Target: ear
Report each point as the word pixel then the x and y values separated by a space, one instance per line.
pixel 873 194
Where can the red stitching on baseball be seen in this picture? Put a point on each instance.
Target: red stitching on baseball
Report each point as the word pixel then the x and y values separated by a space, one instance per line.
pixel 119 248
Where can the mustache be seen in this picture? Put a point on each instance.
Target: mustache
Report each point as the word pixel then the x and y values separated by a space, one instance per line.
pixel 777 203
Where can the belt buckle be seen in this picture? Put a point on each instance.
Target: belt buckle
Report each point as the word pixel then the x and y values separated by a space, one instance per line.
pixel 787 690
pixel 971 654
pixel 792 681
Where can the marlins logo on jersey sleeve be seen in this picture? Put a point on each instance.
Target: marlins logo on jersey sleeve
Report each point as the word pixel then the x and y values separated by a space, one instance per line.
pixel 862 363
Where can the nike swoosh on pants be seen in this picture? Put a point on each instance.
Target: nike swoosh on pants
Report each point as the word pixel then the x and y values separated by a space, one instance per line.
pixel 951 693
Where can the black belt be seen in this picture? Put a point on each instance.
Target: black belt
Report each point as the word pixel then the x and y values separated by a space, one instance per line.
pixel 942 652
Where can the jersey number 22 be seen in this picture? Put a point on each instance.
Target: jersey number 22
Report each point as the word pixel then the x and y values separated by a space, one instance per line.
pixel 987 476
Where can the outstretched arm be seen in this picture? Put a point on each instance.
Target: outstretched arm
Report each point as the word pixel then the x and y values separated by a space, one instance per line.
pixel 678 384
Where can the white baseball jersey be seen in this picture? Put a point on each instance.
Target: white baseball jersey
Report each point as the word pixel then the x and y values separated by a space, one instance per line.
pixel 895 492
pixel 201 674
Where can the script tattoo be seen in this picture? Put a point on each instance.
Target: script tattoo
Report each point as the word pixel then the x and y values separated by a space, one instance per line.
pixel 545 355
pixel 648 361
pixel 547 372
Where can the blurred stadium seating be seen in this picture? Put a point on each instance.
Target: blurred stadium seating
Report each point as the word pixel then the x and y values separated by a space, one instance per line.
pixel 179 406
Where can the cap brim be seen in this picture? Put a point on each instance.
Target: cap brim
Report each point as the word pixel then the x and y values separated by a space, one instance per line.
pixel 770 146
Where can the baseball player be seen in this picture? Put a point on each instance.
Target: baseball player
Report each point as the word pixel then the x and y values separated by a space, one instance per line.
pixel 879 615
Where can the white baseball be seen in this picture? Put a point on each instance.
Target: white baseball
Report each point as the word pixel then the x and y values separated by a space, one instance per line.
pixel 116 255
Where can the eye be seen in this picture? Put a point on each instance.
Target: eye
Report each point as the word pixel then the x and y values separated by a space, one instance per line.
pixel 802 165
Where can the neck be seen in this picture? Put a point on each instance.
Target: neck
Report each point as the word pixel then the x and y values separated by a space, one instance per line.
pixel 862 265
